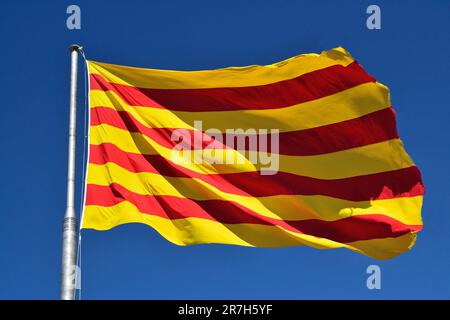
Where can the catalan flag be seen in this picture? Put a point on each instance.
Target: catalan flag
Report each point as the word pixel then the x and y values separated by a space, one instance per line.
pixel 338 175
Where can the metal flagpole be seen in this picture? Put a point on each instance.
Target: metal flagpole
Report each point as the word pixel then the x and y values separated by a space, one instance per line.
pixel 70 234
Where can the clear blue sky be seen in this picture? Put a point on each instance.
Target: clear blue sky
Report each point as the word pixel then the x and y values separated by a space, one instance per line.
pixel 410 54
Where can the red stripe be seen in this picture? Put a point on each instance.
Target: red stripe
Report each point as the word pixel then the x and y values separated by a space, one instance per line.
pixel 385 185
pixel 307 87
pixel 344 230
pixel 372 128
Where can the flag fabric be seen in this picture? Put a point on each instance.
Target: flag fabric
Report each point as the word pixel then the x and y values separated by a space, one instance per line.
pixel 160 150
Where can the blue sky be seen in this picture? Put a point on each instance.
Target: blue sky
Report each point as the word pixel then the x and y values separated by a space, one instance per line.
pixel 410 54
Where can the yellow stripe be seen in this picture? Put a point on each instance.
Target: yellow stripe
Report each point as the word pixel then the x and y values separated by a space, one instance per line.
pixel 283 207
pixel 226 77
pixel 190 231
pixel 374 158
pixel 345 105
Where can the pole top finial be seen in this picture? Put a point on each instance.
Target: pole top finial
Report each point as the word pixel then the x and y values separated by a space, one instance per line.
pixel 75 47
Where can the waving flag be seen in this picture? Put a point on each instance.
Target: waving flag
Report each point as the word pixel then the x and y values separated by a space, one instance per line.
pixel 300 152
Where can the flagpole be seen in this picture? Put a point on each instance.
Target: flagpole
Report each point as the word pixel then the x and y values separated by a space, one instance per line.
pixel 70 234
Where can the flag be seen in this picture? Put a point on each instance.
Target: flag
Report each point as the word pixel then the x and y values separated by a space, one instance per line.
pixel 301 152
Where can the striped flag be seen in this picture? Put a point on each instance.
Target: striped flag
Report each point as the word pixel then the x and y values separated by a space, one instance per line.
pixel 301 152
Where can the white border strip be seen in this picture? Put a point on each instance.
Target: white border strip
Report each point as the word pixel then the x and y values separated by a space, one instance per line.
pixel 88 139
